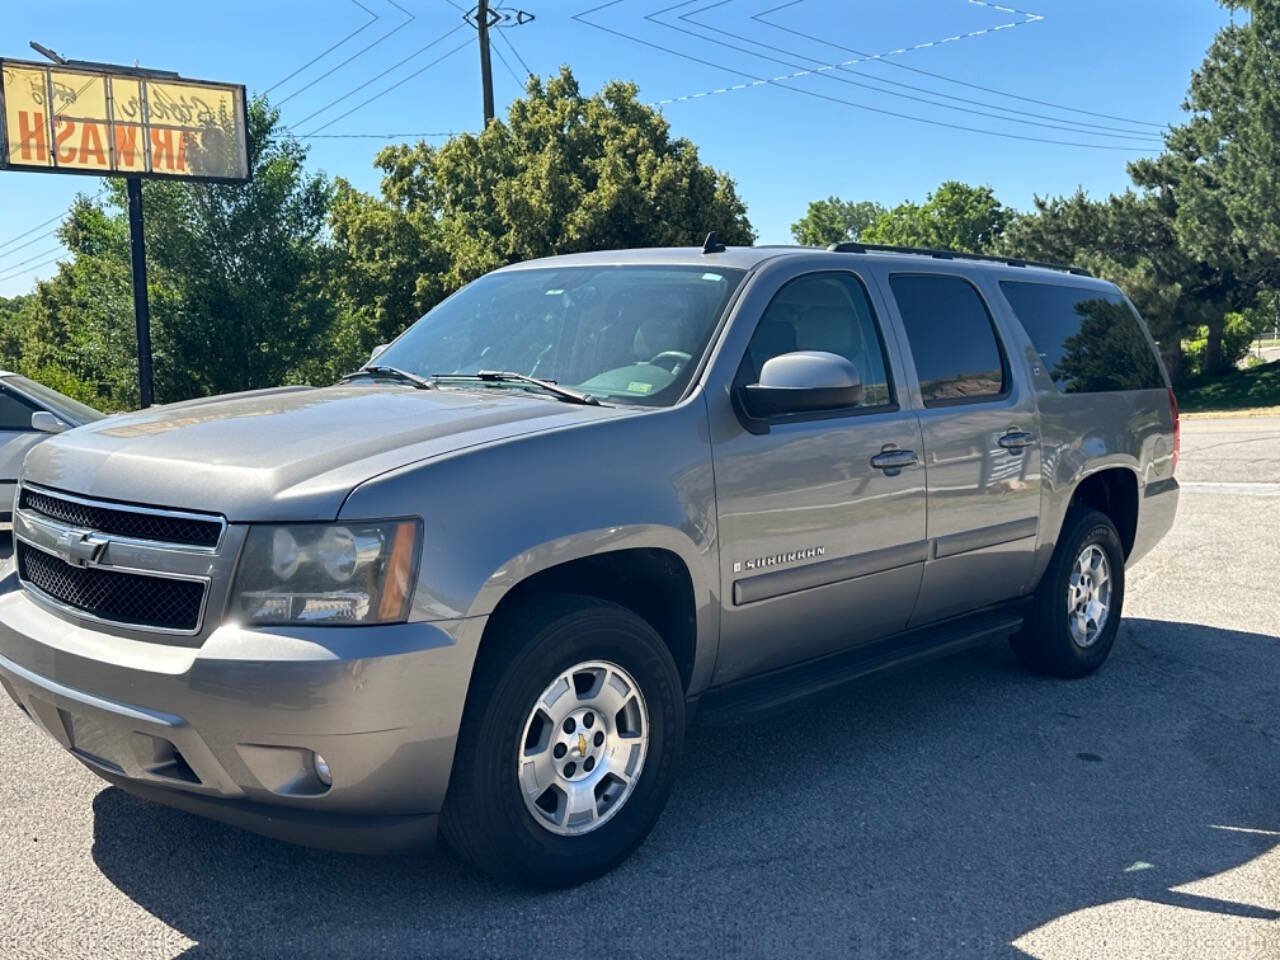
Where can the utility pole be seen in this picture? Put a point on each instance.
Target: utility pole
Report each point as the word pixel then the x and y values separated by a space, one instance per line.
pixel 486 67
pixel 141 305
pixel 485 18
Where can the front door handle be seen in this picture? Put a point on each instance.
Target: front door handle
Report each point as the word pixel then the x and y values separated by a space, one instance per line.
pixel 1015 440
pixel 892 461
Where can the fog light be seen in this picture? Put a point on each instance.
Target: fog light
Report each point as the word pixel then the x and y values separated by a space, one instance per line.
pixel 322 770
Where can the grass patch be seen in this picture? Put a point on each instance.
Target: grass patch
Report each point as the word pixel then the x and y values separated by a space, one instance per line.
pixel 1237 390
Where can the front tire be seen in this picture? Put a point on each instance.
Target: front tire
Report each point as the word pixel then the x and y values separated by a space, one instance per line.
pixel 1071 625
pixel 569 743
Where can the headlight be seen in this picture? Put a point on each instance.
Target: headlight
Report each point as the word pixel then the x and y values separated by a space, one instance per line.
pixel 343 573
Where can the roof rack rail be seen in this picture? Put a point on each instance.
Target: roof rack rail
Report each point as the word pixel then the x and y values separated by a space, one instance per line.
pixel 853 246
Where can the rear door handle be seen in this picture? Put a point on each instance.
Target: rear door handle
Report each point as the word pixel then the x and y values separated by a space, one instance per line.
pixel 1015 440
pixel 892 461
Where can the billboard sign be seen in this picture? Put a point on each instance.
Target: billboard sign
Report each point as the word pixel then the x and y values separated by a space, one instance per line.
pixel 111 121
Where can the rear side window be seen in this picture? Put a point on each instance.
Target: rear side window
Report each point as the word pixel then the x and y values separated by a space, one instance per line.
pixel 15 414
pixel 1090 341
pixel 953 341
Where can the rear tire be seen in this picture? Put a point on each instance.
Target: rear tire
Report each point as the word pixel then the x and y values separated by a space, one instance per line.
pixel 1071 625
pixel 515 718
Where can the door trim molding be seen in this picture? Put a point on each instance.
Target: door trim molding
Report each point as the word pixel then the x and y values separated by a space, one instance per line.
pixel 969 540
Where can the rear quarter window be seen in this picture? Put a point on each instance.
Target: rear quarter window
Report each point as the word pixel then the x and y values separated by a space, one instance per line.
pixel 1090 341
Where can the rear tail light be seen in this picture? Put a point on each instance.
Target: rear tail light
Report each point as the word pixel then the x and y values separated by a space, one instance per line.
pixel 1177 428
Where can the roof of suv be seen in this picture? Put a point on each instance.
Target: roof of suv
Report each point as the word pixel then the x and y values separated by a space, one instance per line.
pixel 745 258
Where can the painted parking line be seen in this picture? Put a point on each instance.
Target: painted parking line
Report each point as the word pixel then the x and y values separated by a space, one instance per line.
pixel 1238 489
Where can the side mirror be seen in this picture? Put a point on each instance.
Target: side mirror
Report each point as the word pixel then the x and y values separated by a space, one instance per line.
pixel 46 422
pixel 801 382
pixel 377 351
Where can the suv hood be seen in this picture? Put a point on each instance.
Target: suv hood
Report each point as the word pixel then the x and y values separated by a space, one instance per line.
pixel 289 454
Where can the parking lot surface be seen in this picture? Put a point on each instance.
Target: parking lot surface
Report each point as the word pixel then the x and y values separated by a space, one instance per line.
pixel 963 809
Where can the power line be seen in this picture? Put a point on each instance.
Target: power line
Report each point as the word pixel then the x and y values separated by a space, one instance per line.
pixel 29 243
pixel 864 57
pixel 391 69
pixel 939 76
pixel 377 136
pixel 399 82
pixel 328 50
pixel 32 230
pixel 58 255
pixel 510 69
pixel 359 53
pixel 825 72
pixel 512 47
pixel 52 219
pixel 778 81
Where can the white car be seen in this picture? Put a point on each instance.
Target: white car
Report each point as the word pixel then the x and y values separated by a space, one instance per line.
pixel 30 412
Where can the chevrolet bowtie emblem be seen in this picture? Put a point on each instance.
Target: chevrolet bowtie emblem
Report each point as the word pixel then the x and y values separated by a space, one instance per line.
pixel 582 745
pixel 79 549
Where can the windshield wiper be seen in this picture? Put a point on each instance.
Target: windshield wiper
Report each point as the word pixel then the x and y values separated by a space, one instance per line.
pixel 498 376
pixel 391 373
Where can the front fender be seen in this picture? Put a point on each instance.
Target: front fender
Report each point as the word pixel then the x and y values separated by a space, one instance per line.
pixel 497 514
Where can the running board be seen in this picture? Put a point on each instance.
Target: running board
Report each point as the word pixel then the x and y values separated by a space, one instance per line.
pixel 778 688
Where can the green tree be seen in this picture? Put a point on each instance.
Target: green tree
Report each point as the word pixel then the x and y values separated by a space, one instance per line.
pixel 245 267
pixel 834 220
pixel 75 331
pixel 237 279
pixel 562 173
pixel 1221 166
pixel 1130 239
pixel 956 216
pixel 10 337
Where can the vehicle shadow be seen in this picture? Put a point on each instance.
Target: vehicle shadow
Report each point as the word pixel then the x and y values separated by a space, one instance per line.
pixel 946 811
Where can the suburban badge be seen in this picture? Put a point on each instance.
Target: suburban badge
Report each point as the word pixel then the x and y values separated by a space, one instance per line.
pixel 778 559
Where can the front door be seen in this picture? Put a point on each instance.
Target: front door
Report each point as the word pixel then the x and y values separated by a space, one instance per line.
pixel 16 438
pixel 981 447
pixel 820 550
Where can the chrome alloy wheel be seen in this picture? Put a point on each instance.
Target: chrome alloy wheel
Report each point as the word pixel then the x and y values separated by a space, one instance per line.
pixel 583 747
pixel 1089 595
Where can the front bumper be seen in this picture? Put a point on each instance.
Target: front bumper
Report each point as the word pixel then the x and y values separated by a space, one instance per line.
pixel 230 729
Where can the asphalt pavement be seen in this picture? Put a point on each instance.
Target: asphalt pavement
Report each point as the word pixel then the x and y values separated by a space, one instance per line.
pixel 965 809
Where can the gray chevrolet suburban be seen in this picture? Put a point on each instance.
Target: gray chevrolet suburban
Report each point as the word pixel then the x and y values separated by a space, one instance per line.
pixel 485 582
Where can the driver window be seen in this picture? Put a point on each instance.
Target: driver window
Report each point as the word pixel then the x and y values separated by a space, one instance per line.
pixel 828 312
pixel 15 414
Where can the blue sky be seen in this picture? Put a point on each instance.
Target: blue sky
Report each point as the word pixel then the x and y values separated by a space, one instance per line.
pixel 818 85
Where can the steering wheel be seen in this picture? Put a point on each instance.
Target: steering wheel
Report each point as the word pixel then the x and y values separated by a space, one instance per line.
pixel 679 357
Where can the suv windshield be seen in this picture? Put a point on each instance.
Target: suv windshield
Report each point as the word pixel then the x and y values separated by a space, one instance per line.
pixel 625 334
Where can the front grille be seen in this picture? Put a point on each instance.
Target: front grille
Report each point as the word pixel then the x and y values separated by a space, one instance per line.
pixel 128 598
pixel 123 522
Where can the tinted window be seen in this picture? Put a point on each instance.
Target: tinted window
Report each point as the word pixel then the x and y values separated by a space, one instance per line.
pixel 828 312
pixel 15 414
pixel 1090 341
pixel 951 336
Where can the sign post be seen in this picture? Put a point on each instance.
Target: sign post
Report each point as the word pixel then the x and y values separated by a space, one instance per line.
pixel 141 305
pixel 100 119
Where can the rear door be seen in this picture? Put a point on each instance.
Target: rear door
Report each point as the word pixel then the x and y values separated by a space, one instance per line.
pixel 981 448
pixel 820 549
